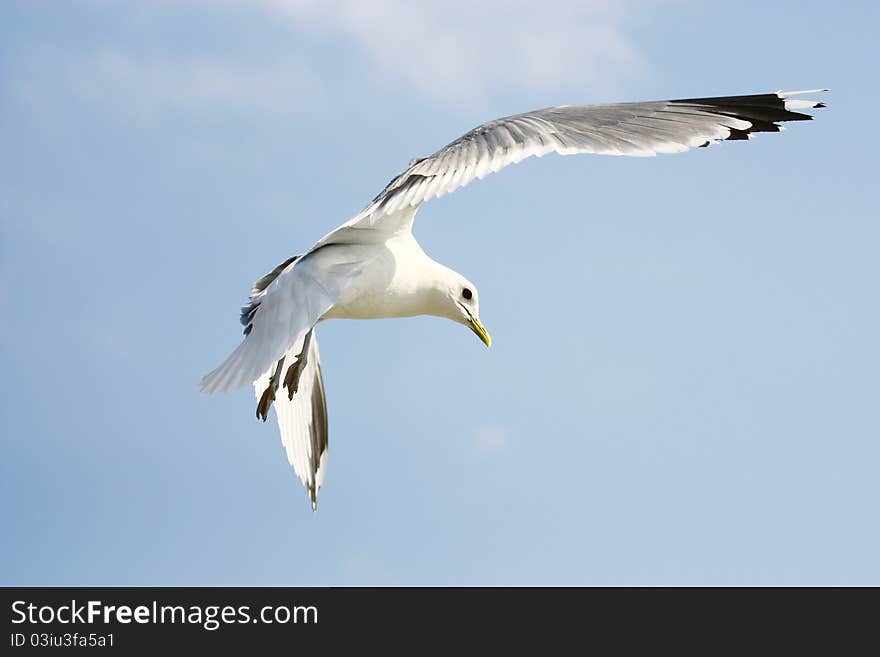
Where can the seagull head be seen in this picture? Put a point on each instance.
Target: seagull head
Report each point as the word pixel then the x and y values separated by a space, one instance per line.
pixel 463 306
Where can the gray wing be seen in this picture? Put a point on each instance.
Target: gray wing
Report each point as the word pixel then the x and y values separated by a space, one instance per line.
pixel 635 129
pixel 284 306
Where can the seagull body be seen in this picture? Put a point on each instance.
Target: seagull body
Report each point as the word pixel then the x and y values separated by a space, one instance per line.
pixel 373 267
pixel 399 280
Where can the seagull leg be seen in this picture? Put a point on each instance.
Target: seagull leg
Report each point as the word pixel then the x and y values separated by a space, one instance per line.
pixel 268 395
pixel 291 379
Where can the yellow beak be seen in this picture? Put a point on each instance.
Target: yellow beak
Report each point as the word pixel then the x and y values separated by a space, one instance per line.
pixel 480 330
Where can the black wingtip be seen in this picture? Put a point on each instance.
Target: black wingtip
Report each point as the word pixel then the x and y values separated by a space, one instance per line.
pixel 763 111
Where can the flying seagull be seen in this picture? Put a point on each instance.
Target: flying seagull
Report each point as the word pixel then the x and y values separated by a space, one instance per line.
pixel 372 266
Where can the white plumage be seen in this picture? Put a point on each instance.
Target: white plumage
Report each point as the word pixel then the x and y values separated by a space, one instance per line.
pixel 372 266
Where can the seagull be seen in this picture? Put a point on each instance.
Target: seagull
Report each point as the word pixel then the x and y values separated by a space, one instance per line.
pixel 372 266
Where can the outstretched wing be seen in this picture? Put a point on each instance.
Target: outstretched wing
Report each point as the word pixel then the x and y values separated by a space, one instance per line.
pixel 283 311
pixel 636 129
pixel 302 417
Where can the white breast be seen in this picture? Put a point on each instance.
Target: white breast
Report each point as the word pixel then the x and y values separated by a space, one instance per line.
pixel 399 281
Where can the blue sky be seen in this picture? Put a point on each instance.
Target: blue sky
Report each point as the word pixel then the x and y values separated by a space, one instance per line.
pixel 683 383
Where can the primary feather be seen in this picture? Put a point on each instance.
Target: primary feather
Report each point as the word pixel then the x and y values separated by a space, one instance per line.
pixel 372 266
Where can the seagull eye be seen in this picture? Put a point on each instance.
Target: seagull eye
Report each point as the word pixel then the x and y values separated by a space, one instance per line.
pixel 466 293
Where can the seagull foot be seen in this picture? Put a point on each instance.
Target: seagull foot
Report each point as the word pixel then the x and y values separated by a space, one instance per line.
pixel 268 395
pixel 291 379
pixel 266 400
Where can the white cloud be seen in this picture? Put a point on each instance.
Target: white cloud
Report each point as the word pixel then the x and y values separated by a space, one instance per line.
pixel 449 51
pixel 150 85
pixel 489 439
pixel 461 50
